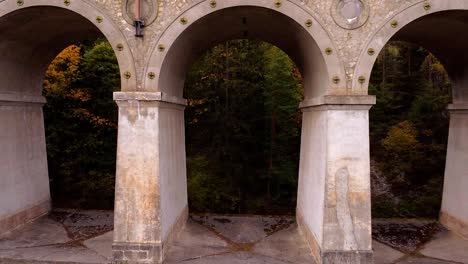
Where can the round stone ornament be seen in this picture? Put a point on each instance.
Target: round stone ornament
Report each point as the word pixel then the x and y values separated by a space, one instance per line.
pixel 350 14
pixel 149 11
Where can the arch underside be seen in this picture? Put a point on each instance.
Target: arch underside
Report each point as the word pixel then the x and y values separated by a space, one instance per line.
pixel 244 22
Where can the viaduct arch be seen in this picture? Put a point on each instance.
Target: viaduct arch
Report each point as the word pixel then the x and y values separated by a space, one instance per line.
pixel 333 209
pixel 32 34
pixel 441 27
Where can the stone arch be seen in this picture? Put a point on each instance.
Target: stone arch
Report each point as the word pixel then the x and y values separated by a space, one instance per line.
pixel 151 189
pixel 82 14
pixel 430 23
pixel 441 27
pixel 286 26
pixel 33 33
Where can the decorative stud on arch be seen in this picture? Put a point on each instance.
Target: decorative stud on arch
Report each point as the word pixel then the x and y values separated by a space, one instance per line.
pixel 191 15
pixel 382 34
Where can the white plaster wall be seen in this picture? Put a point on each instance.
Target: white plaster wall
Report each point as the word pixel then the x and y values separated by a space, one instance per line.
pixel 24 180
pixel 312 170
pixel 455 196
pixel 173 167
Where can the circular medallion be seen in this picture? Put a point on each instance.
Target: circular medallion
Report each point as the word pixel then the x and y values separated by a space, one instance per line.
pixel 148 11
pixel 350 14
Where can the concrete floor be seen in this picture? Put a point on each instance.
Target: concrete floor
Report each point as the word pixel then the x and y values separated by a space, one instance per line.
pixel 85 237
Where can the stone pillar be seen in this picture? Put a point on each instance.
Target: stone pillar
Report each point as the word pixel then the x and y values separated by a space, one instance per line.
pixel 24 182
pixel 334 206
pixel 151 188
pixel 454 212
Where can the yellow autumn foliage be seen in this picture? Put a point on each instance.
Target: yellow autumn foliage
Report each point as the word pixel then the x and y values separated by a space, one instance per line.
pixel 63 70
pixel 401 138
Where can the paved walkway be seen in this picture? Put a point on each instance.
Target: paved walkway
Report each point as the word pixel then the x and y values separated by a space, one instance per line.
pixel 85 237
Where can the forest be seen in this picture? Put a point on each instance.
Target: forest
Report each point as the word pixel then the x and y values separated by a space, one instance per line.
pixel 243 129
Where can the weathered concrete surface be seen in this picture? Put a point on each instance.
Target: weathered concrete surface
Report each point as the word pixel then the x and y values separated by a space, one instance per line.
pixel 45 231
pixel 71 237
pixel 423 260
pixel 101 244
pixel 195 242
pixel 448 246
pixel 80 237
pixel 151 184
pixel 278 246
pixel 65 236
pixel 454 212
pixel 384 254
pixel 24 179
pixel 333 206
pixel 240 239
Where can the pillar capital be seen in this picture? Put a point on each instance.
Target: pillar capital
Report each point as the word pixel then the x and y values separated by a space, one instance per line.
pixel 458 108
pixel 149 97
pixel 338 102
pixel 21 99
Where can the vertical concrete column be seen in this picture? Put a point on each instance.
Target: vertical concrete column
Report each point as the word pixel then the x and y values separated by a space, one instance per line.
pixel 334 206
pixel 24 179
pixel 454 212
pixel 151 191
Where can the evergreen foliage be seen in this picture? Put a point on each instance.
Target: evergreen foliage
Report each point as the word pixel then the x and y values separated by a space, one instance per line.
pixel 243 129
pixel 81 123
pixel 409 129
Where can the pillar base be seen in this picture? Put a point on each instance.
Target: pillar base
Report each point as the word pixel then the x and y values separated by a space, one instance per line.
pixel 137 253
pixel 329 256
pixel 309 236
pixel 14 221
pixel 453 224
pixel 148 253
pixel 355 257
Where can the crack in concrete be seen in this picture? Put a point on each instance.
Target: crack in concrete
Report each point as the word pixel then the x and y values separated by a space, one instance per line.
pixel 417 253
pixel 207 256
pixel 230 252
pixel 240 246
pixel 235 247
pixel 343 210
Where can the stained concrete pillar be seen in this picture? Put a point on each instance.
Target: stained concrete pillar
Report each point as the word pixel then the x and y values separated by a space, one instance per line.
pixel 151 188
pixel 24 179
pixel 454 211
pixel 334 206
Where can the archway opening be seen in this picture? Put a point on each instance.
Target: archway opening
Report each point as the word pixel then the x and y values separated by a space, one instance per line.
pixel 243 130
pixel 417 148
pixel 57 119
pixel 81 125
pixel 227 92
